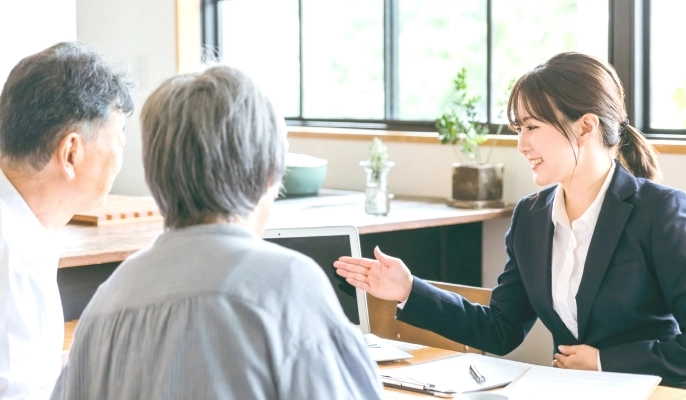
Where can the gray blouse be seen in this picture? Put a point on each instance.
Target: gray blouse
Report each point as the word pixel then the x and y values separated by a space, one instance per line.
pixel 214 312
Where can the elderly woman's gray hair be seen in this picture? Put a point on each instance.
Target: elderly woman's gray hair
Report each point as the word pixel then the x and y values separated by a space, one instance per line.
pixel 212 146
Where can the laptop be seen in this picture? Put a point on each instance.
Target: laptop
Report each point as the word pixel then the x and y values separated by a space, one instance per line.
pixel 325 245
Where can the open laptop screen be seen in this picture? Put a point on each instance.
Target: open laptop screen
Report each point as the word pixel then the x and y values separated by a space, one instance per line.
pixel 324 250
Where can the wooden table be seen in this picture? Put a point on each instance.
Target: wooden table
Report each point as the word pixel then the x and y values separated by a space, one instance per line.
pixel 425 354
pixel 88 245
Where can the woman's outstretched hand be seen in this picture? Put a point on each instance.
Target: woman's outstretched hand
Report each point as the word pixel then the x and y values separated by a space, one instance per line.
pixel 386 277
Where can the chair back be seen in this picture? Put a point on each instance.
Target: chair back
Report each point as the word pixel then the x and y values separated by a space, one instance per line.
pixel 384 325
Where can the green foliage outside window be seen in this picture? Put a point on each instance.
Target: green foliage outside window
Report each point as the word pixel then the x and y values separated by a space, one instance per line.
pixel 679 98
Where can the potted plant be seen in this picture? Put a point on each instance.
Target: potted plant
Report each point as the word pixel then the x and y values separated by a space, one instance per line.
pixel 377 198
pixel 477 183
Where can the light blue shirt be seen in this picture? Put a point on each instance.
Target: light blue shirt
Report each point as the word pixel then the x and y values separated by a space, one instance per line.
pixel 214 312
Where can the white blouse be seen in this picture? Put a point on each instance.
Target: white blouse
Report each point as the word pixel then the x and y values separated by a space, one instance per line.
pixel 570 247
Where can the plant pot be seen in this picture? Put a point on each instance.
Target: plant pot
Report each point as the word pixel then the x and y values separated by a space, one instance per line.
pixel 477 186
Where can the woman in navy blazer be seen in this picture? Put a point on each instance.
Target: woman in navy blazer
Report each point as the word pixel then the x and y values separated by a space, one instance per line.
pixel 622 266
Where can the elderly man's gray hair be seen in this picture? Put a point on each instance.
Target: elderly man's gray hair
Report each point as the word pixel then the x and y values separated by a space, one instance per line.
pixel 212 146
pixel 65 87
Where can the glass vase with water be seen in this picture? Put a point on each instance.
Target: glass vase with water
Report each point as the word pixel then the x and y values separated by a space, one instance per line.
pixel 377 199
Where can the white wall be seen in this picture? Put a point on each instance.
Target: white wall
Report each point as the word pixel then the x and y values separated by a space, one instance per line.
pixel 420 169
pixel 27 27
pixel 141 34
pixel 425 169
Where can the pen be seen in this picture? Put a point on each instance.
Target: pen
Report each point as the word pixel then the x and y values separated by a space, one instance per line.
pixel 476 375
pixel 415 386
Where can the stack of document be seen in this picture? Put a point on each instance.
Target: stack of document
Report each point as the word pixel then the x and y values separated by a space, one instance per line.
pixel 453 373
pixel 567 384
pixel 450 376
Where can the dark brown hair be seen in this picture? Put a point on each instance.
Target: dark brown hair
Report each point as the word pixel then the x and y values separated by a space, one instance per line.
pixel 570 85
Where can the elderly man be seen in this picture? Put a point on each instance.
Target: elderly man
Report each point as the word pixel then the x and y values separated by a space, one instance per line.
pixel 62 115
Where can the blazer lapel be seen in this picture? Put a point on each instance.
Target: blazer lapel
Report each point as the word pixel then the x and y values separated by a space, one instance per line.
pixel 614 213
pixel 541 258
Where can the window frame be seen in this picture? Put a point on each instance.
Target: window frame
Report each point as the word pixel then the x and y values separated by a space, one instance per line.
pixel 628 47
pixel 653 132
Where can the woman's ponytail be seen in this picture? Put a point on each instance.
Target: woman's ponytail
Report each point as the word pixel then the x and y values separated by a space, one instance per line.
pixel 637 155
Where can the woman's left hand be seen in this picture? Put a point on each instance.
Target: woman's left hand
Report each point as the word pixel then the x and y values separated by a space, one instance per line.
pixel 577 357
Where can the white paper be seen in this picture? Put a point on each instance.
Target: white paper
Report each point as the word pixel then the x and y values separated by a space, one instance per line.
pixel 566 384
pixel 453 373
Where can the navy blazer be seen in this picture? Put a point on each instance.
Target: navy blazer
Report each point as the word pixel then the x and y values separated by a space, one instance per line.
pixel 632 297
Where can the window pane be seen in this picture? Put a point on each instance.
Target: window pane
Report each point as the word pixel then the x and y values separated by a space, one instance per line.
pixel 528 32
pixel 265 46
pixel 667 65
pixel 437 39
pixel 343 72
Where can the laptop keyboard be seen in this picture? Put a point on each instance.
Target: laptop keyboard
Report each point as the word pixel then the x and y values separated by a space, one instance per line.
pixel 381 350
pixel 371 342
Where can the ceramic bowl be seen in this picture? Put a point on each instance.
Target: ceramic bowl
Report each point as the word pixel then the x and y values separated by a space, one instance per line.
pixel 304 176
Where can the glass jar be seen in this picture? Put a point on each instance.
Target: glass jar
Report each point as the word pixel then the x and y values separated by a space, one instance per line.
pixel 377 199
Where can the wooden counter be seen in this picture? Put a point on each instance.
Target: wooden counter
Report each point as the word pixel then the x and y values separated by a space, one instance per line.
pixel 437 242
pixel 87 245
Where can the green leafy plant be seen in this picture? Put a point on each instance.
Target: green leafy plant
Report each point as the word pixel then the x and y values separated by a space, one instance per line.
pixel 459 126
pixel 378 154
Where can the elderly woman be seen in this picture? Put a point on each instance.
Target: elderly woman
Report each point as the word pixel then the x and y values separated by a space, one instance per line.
pixel 211 311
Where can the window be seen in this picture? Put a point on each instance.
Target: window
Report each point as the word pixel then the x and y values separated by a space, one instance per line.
pixel 271 60
pixel 436 38
pixel 667 67
pixel 528 32
pixel 390 63
pixel 342 57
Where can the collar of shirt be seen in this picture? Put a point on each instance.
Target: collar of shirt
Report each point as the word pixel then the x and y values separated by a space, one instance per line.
pixel 590 216
pixel 13 200
pixel 13 203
